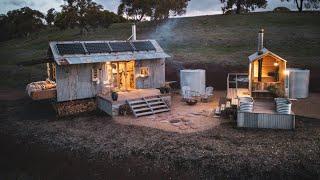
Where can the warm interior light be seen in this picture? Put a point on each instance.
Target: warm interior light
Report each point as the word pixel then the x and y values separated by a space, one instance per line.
pixel 144 72
pixel 286 72
pixel 276 64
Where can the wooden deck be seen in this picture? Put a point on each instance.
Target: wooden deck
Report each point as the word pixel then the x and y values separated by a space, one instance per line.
pixel 235 93
pixel 266 106
pixel 106 104
pixel 123 96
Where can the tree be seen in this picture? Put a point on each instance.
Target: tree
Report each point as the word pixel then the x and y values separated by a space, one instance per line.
pixel 50 17
pixel 78 13
pixel 22 22
pixel 107 18
pixel 308 4
pixel 163 9
pixel 153 9
pixel 242 5
pixel 4 31
pixel 136 9
pixel 85 14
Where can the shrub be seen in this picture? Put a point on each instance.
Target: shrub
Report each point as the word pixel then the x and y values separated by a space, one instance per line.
pixel 281 9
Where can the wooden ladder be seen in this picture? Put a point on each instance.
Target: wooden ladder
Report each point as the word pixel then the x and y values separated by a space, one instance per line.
pixel 148 106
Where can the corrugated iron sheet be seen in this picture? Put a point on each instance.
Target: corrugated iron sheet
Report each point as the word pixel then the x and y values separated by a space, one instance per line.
pixel 265 52
pixel 268 121
pixel 77 59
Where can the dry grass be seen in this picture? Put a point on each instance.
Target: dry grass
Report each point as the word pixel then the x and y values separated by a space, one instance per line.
pixel 223 40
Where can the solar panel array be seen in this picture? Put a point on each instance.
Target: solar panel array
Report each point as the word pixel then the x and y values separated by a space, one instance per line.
pixel 104 47
pixel 121 46
pixel 143 46
pixel 98 48
pixel 74 48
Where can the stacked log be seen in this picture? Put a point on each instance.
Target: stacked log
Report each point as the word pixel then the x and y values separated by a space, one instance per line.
pixel 70 108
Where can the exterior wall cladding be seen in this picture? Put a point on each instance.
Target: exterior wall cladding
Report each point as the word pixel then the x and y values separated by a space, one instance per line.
pixel 74 82
pixel 268 121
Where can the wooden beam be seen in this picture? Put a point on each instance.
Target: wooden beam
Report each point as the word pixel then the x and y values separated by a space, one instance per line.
pixel 260 70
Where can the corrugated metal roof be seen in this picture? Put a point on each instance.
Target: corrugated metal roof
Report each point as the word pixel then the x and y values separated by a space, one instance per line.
pixel 265 52
pixel 65 59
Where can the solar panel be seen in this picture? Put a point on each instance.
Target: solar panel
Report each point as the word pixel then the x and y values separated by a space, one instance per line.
pixel 75 48
pixel 98 47
pixel 144 46
pixel 121 46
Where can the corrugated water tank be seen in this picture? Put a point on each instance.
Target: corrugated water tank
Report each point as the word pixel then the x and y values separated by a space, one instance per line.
pixel 298 82
pixel 194 78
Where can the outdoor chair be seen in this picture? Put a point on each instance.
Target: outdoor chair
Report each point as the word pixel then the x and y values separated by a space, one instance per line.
pixel 186 93
pixel 208 94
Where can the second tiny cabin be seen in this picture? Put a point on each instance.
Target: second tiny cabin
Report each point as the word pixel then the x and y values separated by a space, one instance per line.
pixel 267 72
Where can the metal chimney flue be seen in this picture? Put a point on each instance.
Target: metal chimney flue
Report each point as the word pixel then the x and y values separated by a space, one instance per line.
pixel 260 41
pixel 134 32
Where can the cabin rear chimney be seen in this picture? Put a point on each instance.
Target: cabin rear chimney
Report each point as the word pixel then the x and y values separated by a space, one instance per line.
pixel 134 32
pixel 260 41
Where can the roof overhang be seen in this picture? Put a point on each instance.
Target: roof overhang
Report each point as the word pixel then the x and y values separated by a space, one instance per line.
pixel 265 52
pixel 105 57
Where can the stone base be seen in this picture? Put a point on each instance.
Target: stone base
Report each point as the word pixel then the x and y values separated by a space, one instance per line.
pixel 75 107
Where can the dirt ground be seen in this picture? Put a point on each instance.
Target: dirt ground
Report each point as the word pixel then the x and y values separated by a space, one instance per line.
pixel 186 119
pixel 37 145
pixel 309 107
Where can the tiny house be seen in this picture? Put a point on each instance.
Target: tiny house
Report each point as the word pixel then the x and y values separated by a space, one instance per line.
pixel 84 70
pixel 267 72
pixel 256 94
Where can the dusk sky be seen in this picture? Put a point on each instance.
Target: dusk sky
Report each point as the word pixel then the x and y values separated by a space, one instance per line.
pixel 195 7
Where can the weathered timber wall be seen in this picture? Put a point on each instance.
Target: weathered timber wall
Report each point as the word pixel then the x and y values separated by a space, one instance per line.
pixel 156 78
pixel 75 82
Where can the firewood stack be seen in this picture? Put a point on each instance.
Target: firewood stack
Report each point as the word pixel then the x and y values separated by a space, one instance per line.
pixel 75 107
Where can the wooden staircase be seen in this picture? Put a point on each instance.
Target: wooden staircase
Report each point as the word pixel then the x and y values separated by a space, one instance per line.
pixel 148 106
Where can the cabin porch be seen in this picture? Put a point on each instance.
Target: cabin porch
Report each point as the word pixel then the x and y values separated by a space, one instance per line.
pixel 107 105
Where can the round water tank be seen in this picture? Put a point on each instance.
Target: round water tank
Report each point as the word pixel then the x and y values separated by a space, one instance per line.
pixel 298 83
pixel 194 78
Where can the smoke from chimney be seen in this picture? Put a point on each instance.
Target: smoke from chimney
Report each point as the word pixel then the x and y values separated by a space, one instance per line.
pixel 260 41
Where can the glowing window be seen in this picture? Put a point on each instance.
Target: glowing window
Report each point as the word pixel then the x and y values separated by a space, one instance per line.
pixel 144 71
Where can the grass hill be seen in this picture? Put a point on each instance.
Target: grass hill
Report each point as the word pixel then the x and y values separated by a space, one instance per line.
pixel 222 40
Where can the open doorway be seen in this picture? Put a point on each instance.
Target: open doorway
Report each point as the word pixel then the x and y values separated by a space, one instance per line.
pixel 122 75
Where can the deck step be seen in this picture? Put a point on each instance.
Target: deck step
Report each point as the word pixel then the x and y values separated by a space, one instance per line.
pixel 153 99
pixel 161 110
pixel 139 105
pixel 148 106
pixel 160 106
pixel 136 102
pixel 144 114
pixel 156 103
pixel 142 109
